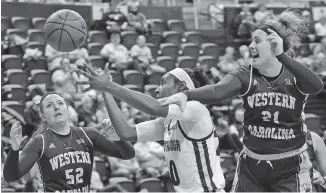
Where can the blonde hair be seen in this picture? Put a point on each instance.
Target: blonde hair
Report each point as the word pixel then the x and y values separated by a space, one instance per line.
pixel 290 26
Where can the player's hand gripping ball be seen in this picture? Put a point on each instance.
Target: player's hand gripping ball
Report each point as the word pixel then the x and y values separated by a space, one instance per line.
pixel 65 30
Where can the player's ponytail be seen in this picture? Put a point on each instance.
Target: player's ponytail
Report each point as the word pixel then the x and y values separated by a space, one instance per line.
pixel 41 127
pixel 197 76
pixel 290 26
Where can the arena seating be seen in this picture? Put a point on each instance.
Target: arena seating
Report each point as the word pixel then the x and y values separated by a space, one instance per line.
pixel 171 44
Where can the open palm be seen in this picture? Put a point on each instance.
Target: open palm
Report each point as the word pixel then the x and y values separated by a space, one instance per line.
pixel 98 79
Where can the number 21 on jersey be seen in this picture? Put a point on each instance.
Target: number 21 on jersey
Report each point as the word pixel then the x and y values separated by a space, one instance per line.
pixel 267 116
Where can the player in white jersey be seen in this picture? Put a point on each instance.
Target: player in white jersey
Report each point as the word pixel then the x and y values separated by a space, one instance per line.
pixel 189 143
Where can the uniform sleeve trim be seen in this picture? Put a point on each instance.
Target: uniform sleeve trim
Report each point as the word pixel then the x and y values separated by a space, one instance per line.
pixel 192 139
pixel 250 80
pixel 86 135
pixel 43 145
pixel 295 82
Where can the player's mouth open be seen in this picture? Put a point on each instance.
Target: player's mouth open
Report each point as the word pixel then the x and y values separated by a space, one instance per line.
pixel 58 114
pixel 254 55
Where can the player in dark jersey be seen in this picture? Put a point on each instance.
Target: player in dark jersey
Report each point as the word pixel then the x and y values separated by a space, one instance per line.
pixel 62 155
pixel 274 91
pixel 317 155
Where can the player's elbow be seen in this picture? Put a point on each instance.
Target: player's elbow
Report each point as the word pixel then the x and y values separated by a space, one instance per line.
pixel 128 155
pixel 319 87
pixel 8 177
pixel 315 89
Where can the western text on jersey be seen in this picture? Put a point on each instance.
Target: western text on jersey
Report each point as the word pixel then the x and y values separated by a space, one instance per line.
pixel 70 158
pixel 271 98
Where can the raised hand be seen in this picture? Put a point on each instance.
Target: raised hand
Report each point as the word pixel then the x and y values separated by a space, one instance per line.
pixel 276 42
pixel 98 79
pixel 16 135
pixel 109 130
pixel 179 99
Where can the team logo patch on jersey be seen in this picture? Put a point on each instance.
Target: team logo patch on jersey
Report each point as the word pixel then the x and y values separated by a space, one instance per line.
pixel 288 82
pixel 80 141
pixel 255 82
pixel 52 146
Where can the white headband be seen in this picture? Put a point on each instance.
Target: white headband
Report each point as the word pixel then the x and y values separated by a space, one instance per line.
pixel 182 75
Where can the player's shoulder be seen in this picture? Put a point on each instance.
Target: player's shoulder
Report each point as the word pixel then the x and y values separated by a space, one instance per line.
pixel 39 140
pixel 84 131
pixel 243 73
pixel 240 70
pixel 195 105
pixel 39 136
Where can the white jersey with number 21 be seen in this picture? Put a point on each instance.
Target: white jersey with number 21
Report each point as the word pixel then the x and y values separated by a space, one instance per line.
pixel 190 147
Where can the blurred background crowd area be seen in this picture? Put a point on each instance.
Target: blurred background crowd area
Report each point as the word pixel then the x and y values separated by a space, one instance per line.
pixel 142 40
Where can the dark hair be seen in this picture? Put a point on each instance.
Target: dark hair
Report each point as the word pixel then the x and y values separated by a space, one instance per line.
pixel 289 25
pixel 197 76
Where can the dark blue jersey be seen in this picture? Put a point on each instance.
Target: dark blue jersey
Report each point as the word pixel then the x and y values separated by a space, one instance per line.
pixel 63 162
pixel 274 120
pixel 62 168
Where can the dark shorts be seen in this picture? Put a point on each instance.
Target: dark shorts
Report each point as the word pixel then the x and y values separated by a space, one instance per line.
pixel 285 175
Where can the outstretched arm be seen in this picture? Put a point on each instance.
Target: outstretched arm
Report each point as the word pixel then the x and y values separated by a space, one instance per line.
pixel 103 82
pixel 137 100
pixel 232 84
pixel 103 144
pixel 146 131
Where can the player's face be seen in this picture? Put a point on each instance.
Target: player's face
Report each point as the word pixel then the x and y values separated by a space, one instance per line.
pixel 55 109
pixel 260 49
pixel 167 87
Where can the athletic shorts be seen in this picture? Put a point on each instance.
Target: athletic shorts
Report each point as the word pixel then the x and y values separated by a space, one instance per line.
pixel 292 174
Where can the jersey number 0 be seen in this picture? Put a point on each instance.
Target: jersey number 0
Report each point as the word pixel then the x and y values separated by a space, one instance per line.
pixel 174 174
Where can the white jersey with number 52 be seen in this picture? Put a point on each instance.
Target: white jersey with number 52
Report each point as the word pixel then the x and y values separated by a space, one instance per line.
pixel 190 147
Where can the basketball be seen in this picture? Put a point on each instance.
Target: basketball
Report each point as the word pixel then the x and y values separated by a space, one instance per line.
pixel 65 30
